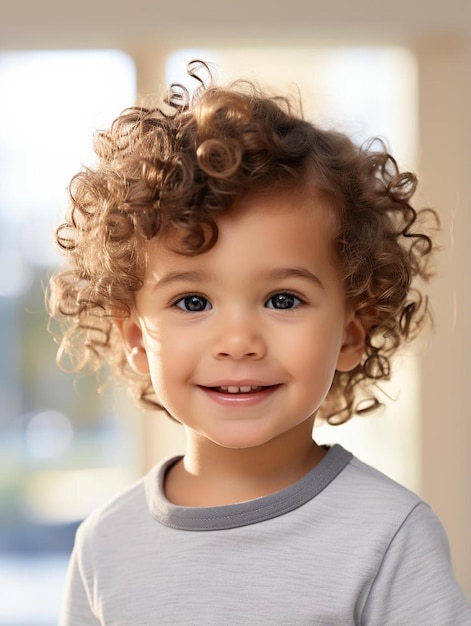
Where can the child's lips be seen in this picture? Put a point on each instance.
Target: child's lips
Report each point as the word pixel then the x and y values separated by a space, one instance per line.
pixel 239 394
pixel 245 385
pixel 233 389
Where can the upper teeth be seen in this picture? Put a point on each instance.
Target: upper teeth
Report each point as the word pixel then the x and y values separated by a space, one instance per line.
pixel 243 389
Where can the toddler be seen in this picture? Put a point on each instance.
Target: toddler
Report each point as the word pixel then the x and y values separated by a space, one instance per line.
pixel 248 272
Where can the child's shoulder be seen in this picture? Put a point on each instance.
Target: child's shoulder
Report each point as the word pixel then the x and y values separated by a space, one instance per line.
pixel 378 483
pixel 121 511
pixel 130 508
pixel 368 491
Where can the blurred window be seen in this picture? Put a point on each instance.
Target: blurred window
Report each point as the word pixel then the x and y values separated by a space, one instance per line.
pixel 63 448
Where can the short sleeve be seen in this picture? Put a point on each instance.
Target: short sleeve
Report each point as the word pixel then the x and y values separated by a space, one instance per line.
pixel 415 584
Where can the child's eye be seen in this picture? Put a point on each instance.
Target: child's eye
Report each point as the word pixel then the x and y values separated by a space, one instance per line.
pixel 283 300
pixel 193 304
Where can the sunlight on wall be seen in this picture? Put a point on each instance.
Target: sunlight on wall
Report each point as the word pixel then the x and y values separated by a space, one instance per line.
pixel 56 99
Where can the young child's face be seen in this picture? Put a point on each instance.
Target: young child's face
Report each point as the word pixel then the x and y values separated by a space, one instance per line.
pixel 242 341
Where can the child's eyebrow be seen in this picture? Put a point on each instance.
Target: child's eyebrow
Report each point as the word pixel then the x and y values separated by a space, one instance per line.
pixel 292 272
pixel 175 277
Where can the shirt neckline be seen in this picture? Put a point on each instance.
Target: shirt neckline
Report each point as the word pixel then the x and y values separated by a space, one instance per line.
pixel 243 513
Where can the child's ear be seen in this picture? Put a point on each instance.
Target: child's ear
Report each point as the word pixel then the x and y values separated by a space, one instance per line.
pixel 131 336
pixel 353 346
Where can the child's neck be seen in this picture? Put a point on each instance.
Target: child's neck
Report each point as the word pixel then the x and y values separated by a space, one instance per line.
pixel 210 475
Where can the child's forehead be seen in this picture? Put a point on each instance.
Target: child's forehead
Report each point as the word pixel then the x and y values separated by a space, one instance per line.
pixel 302 202
pixel 270 220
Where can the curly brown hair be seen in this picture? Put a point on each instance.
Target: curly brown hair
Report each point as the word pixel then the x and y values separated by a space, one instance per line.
pixel 197 155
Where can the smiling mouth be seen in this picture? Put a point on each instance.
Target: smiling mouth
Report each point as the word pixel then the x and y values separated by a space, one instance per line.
pixel 240 390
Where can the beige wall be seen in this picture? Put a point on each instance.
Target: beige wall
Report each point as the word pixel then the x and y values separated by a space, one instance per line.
pixel 445 133
pixel 440 35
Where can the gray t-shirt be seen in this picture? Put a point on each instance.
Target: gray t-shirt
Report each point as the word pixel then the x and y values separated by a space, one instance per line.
pixel 345 545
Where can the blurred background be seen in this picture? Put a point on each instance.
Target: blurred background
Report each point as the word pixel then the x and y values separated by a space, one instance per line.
pixel 401 72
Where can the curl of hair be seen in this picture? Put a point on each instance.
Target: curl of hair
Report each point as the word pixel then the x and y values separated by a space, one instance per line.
pixel 179 167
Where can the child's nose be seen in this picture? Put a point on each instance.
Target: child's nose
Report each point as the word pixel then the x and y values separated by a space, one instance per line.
pixel 239 339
